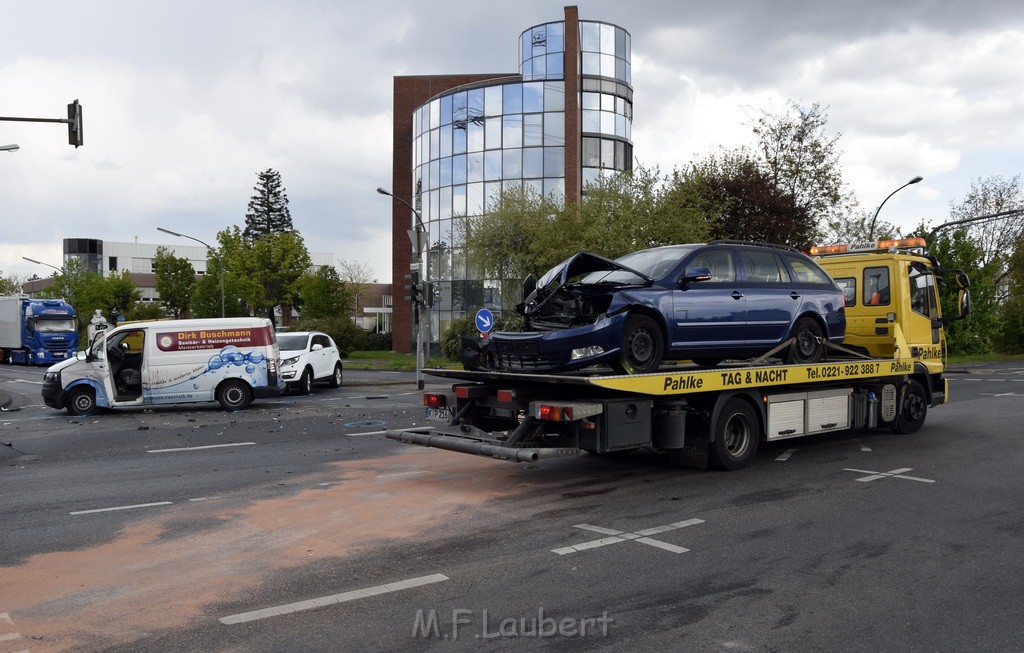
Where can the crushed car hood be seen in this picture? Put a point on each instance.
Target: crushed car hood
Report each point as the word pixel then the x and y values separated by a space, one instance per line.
pixel 582 263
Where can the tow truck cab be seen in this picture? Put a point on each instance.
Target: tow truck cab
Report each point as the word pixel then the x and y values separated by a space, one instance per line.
pixel 894 282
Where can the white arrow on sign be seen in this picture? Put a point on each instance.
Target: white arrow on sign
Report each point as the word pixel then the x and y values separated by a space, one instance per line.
pixel 485 322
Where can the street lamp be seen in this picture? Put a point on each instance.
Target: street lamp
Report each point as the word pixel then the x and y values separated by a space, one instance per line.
pixel 416 235
pixel 220 261
pixel 32 260
pixel 13 147
pixel 871 233
pixel 71 296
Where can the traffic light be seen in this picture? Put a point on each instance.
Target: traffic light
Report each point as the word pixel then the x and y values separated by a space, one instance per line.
pixel 75 124
pixel 414 288
pixel 428 293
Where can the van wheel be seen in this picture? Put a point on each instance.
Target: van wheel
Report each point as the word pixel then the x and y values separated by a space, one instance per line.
pixel 809 347
pixel 913 409
pixel 736 436
pixel 81 401
pixel 335 381
pixel 234 395
pixel 305 385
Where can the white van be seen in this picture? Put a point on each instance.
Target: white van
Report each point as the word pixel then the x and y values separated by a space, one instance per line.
pixel 229 360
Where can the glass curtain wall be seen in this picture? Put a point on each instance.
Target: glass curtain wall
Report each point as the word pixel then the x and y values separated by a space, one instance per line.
pixel 472 142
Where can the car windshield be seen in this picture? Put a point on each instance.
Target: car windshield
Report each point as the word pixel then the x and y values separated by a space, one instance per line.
pixel 654 263
pixel 291 342
pixel 55 326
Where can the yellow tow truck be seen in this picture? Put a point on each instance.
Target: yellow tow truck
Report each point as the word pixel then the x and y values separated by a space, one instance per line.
pixel 888 373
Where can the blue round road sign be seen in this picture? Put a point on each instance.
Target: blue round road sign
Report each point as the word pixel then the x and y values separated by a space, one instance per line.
pixel 484 320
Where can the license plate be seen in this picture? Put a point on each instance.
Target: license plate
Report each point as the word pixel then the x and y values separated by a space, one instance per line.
pixel 440 414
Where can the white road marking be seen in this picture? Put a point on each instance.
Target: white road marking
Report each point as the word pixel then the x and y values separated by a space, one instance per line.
pixel 138 505
pixel 622 536
pixel 207 446
pixel 1001 394
pixel 332 599
pixel 896 473
pixel 785 456
pixel 356 435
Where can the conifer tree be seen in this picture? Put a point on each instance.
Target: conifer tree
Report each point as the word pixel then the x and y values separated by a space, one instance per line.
pixel 268 208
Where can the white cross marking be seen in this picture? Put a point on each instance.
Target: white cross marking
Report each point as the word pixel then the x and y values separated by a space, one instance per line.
pixel 896 473
pixel 622 536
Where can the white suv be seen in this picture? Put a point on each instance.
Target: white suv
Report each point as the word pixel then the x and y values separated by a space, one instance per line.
pixel 308 356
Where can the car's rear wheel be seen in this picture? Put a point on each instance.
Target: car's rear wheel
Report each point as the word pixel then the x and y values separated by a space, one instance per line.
pixel 808 346
pixel 234 395
pixel 642 346
pixel 335 381
pixel 81 401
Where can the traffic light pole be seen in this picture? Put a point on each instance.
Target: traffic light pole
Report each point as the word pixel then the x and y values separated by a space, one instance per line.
pixel 73 121
pixel 417 283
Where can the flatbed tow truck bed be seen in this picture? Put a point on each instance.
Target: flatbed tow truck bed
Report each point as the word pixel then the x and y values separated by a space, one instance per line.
pixel 699 416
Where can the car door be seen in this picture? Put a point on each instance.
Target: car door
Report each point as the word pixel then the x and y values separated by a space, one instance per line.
pixel 321 356
pixel 709 315
pixel 771 298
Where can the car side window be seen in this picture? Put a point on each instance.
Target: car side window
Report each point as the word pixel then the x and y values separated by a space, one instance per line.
pixel 806 271
pixel 762 267
pixel 321 340
pixel 719 261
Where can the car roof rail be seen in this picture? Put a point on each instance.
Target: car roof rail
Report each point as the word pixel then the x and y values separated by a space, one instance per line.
pixel 755 243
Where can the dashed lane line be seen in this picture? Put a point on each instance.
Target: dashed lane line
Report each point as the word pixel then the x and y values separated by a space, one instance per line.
pixel 333 599
pixel 207 446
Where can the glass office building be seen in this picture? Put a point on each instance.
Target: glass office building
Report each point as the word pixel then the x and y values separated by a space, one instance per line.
pixel 556 126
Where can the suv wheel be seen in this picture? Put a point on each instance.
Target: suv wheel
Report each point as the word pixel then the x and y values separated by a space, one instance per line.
pixel 335 381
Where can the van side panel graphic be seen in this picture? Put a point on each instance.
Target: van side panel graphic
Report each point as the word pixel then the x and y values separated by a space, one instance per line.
pixel 198 339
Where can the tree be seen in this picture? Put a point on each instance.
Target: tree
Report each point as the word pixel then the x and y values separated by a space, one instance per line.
pixel 266 270
pixel 802 160
pixel 324 294
pixel 987 196
pixel 268 207
pixel 751 206
pixel 1011 338
pixel 175 281
pixel 980 331
pixel 357 277
pixel 10 284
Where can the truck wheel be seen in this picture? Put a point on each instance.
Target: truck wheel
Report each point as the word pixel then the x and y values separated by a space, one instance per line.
pixel 913 409
pixel 808 347
pixel 234 395
pixel 335 381
pixel 642 346
pixel 306 382
pixel 81 401
pixel 736 436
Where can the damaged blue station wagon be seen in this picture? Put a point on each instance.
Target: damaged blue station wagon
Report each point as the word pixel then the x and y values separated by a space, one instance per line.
pixel 699 302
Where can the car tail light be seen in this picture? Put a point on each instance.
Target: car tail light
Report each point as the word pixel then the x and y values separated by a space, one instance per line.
pixel 432 400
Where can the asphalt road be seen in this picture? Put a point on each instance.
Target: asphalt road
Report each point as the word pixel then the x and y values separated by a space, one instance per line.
pixel 295 526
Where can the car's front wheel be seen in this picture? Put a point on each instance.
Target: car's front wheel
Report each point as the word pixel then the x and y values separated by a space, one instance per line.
pixel 642 346
pixel 305 384
pixel 809 344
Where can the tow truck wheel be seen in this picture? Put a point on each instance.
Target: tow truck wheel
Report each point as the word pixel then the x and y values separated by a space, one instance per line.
pixel 736 436
pixel 913 409
pixel 808 347
pixel 234 395
pixel 81 401
pixel 642 346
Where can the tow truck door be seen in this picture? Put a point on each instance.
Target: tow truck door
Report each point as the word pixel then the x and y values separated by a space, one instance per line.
pixel 922 325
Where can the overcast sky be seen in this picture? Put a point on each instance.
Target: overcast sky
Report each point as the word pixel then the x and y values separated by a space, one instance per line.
pixel 185 102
